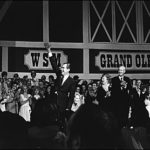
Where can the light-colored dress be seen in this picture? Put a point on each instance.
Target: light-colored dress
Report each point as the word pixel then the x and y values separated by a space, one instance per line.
pixel 78 101
pixel 2 105
pixel 11 104
pixel 25 109
pixel 147 103
pixel 3 93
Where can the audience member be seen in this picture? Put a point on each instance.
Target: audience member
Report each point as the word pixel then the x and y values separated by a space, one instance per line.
pixel 51 80
pixel 121 89
pixel 91 128
pixel 104 96
pixel 34 80
pixel 25 101
pixel 139 114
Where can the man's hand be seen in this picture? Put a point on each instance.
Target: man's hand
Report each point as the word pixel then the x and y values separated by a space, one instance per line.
pixel 48 47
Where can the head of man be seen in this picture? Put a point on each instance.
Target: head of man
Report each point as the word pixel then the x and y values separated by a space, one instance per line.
pixel 139 83
pixel 65 69
pixel 90 127
pixel 43 78
pixel 4 75
pixel 33 74
pixel 121 70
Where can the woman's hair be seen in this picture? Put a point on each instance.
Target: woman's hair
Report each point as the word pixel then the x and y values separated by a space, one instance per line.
pixel 36 88
pixel 107 76
pixel 22 88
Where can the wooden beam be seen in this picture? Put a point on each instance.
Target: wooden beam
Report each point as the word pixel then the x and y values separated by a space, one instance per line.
pixel 103 46
pixel 4 9
pixel 45 20
pixel 5 59
pixel 85 36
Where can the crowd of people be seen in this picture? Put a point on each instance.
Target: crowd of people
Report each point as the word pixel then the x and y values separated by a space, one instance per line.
pixel 68 112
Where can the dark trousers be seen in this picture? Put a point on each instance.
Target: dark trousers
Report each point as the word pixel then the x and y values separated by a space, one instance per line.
pixel 68 114
pixel 62 120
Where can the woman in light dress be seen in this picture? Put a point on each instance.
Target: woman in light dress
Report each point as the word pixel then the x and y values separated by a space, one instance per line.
pixel 3 94
pixel 147 100
pixel 78 99
pixel 25 101
pixel 10 104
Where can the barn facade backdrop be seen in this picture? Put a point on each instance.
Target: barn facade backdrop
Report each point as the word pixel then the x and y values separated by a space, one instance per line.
pixel 94 36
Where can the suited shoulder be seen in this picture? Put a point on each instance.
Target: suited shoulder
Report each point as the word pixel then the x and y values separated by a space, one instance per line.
pixel 71 79
pixel 126 78
pixel 115 78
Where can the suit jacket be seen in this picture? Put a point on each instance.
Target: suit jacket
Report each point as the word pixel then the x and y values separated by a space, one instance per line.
pixel 65 92
pixel 116 87
pixel 121 96
pixel 139 114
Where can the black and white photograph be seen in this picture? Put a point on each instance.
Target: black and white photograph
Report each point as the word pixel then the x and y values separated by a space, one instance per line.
pixel 75 74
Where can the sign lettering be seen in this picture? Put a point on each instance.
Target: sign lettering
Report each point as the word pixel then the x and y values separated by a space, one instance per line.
pixel 38 59
pixel 132 61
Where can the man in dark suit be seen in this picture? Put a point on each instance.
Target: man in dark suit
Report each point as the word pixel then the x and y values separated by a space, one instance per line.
pixel 121 90
pixel 139 114
pixel 65 85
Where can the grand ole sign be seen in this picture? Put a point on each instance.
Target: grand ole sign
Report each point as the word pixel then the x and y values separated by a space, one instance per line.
pixel 38 59
pixel 131 60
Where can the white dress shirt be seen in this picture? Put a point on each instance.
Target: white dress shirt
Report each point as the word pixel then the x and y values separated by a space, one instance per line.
pixel 65 78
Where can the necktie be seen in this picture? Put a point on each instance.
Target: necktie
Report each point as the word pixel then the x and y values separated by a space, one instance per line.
pixel 139 91
pixel 62 80
pixel 120 78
